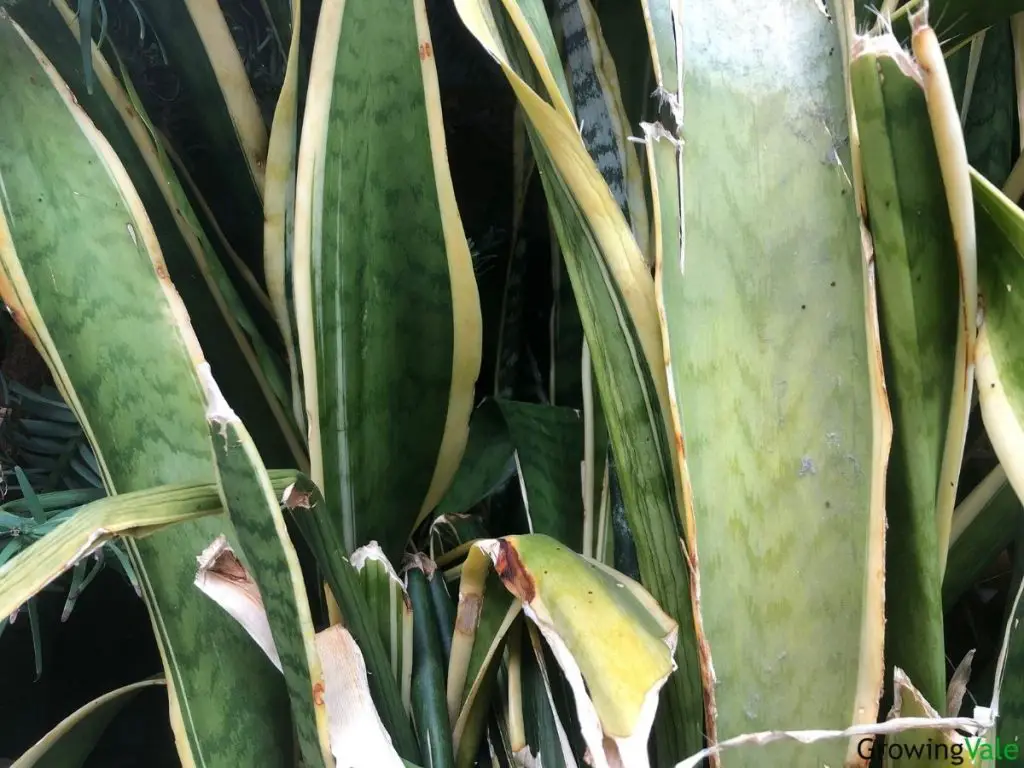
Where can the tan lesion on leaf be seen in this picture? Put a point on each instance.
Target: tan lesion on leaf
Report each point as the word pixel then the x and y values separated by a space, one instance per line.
pixel 513 573
pixel 468 614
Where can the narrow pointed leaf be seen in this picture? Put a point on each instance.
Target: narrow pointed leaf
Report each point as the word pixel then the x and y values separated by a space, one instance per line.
pixel 252 504
pixel 428 676
pixel 384 356
pixel 196 40
pixel 916 260
pixel 306 505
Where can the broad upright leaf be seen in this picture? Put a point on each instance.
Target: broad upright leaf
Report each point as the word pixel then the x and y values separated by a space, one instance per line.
pixel 386 301
pixel 548 443
pixel 782 417
pixel 84 278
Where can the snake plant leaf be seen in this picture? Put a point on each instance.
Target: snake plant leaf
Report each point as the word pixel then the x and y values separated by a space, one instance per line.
pixel 83 276
pixel 617 305
pixel 391 611
pixel 92 525
pixel 70 742
pixel 599 109
pixel 548 443
pixel 926 748
pixel 545 734
pixel 384 357
pixel 358 737
pixel 430 712
pixel 197 43
pixel 983 526
pixel 615 673
pixel 781 408
pixel 305 503
pixel 989 128
pixel 487 464
pixel 252 504
pixel 241 358
pixel 956 21
pixel 485 614
pixel 919 298
pixel 999 358
pixel 279 201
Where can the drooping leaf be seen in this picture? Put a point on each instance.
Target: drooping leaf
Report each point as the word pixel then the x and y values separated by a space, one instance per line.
pixel 384 357
pixel 70 742
pixel 128 514
pixel 614 645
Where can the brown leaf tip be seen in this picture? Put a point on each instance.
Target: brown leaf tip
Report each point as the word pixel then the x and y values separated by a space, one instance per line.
pixel 513 573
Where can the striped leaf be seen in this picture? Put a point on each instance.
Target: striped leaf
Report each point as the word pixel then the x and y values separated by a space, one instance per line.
pixel 386 301
pixel 196 40
pixel 252 504
pixel 768 312
pixel 390 610
pixel 598 105
pixel 84 278
pixel 241 358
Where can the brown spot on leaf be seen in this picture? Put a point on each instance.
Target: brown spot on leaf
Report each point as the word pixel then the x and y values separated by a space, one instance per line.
pixel 468 614
pixel 318 693
pixel 297 499
pixel 513 573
